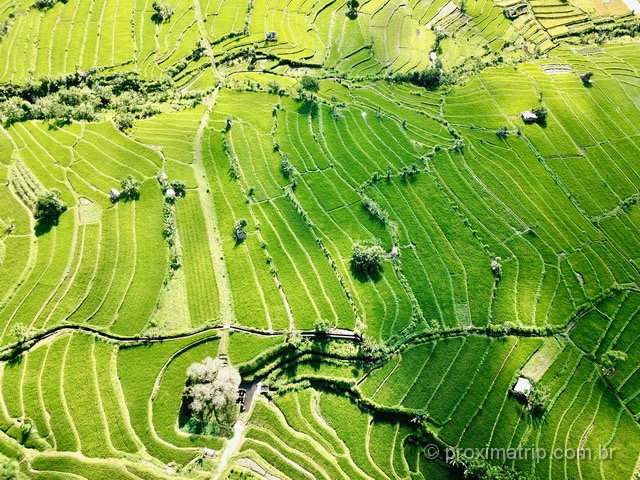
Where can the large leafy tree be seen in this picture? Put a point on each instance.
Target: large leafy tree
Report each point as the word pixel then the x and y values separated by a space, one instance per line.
pixel 212 387
pixel 130 188
pixel 367 258
pixel 49 206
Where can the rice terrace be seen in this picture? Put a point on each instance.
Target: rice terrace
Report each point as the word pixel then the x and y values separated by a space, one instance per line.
pixel 319 239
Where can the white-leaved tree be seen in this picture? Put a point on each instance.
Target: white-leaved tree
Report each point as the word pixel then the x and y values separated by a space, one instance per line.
pixel 212 387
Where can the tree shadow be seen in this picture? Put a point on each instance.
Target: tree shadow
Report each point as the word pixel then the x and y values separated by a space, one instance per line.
pixel 130 196
pixel 13 361
pixel 44 225
pixel 157 19
pixel 60 123
pixel 308 107
pixel 364 277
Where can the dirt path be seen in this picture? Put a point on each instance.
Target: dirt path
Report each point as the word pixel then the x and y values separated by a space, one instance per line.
pixel 238 429
pixel 211 224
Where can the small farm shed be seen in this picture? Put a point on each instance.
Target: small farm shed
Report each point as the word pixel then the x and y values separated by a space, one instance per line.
pixel 529 117
pixel 208 453
pixel 240 234
pixel 523 387
pixel 271 37
pixel 114 194
pixel 170 193
pixel 162 177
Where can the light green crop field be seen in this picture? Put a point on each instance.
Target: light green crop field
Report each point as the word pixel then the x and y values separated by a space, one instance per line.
pixel 269 139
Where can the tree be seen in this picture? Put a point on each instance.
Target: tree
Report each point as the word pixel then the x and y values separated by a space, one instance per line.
pixel 179 187
pixel 611 358
pixel 540 112
pixel 458 145
pixel 324 326
pixel 212 387
pixel 10 470
pixel 503 132
pixel 538 398
pixel 352 5
pixel 13 110
pixel 21 332
pixel 273 87
pixel 367 258
pixel 130 188
pixel 49 206
pixel 586 77
pixel 310 84
pixel 294 338
pixel 163 12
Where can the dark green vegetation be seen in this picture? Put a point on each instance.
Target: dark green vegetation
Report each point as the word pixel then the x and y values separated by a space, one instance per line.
pixel 343 201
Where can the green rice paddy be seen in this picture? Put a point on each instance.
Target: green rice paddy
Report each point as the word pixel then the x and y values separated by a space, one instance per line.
pixel 102 312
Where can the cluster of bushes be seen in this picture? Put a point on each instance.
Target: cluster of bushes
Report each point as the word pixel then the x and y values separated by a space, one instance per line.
pixel 509 328
pixel 374 209
pixel 46 4
pixel 478 469
pixel 430 78
pixel 4 28
pixel 169 232
pixel 83 96
pixel 169 224
pixel 603 32
pixel 352 5
pixel 286 166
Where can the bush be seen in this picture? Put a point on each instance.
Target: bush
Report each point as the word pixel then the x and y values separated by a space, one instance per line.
pixel 49 206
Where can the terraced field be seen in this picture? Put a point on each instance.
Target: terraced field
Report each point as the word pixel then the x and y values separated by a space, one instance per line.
pixel 267 140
